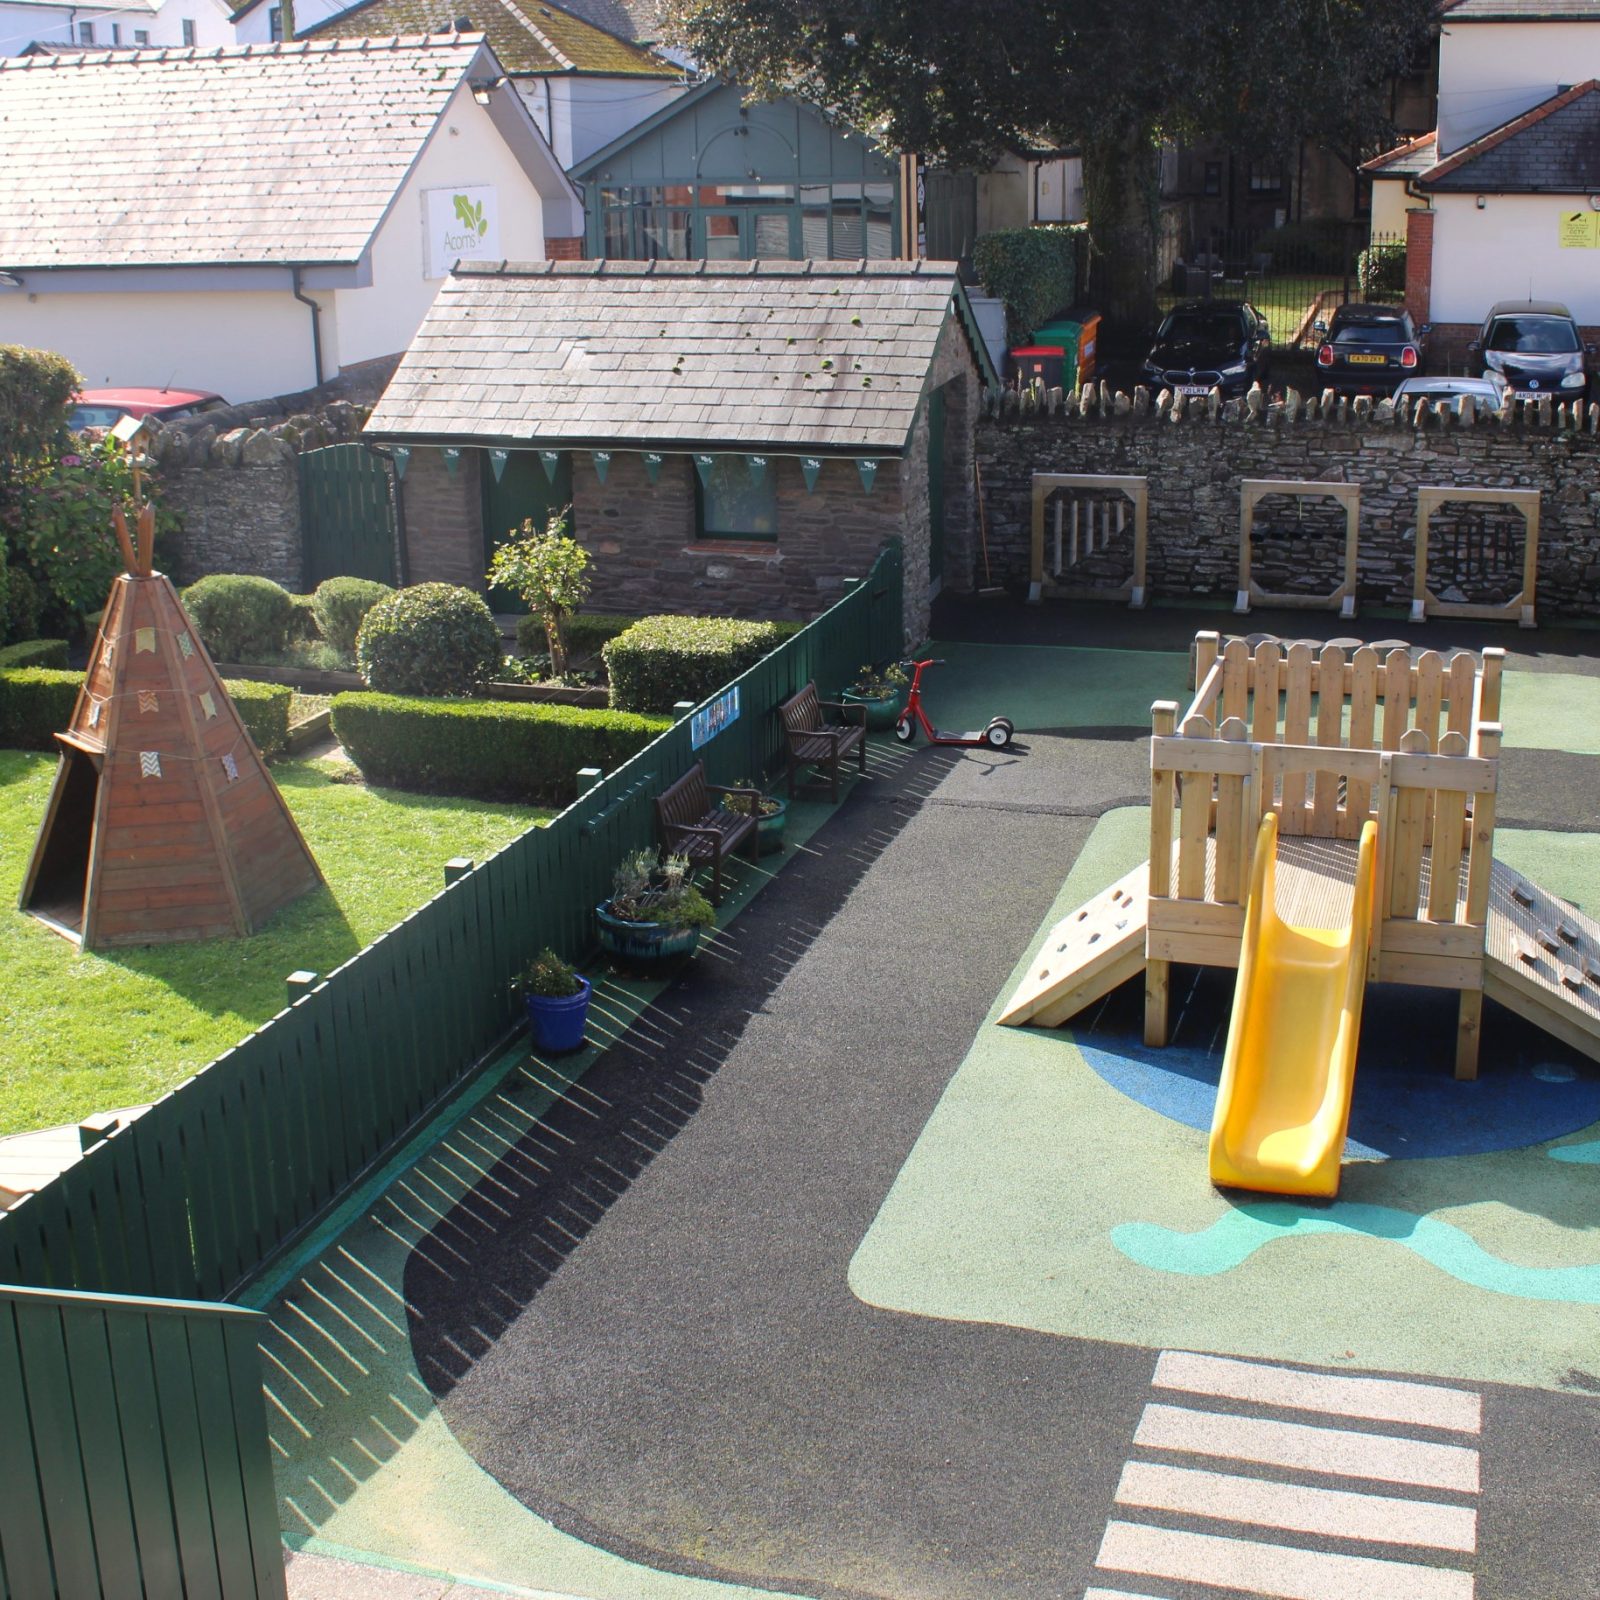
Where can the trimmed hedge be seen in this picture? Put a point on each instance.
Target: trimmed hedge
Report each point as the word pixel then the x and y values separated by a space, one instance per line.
pixel 485 749
pixel 1034 270
pixel 303 626
pixel 433 639
pixel 585 632
pixel 1381 271
pixel 34 653
pixel 661 660
pixel 24 607
pixel 36 703
pixel 341 606
pixel 241 618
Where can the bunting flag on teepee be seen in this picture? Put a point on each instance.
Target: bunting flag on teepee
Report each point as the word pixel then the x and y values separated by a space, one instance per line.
pixel 163 823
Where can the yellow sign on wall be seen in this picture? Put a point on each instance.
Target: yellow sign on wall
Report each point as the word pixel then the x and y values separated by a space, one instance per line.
pixel 1580 230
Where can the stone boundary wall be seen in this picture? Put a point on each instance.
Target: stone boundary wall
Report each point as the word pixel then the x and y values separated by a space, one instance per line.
pixel 235 485
pixel 1195 453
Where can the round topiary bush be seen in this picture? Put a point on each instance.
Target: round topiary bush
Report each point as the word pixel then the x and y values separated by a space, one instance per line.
pixel 340 606
pixel 433 639
pixel 241 618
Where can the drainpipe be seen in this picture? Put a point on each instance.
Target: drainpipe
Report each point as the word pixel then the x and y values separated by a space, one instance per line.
pixel 316 321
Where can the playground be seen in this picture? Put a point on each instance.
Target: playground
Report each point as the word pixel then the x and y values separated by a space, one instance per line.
pixel 812 1278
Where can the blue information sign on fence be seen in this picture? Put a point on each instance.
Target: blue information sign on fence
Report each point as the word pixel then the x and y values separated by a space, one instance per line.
pixel 706 723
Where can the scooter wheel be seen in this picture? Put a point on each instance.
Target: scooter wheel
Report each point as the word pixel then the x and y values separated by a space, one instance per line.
pixel 905 730
pixel 998 734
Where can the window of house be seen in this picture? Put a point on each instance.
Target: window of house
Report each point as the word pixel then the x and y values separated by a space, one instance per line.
pixel 116 33
pixel 730 504
pixel 1213 177
pixel 85 33
pixel 275 23
pixel 188 31
pixel 141 37
pixel 1266 177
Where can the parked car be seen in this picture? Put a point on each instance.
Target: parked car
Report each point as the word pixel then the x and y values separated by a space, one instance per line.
pixel 1369 349
pixel 104 408
pixel 1488 392
pixel 1209 344
pixel 1535 346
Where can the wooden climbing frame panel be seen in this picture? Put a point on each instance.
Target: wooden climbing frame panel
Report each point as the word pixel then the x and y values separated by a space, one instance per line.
pixel 1520 607
pixel 1082 526
pixel 1254 490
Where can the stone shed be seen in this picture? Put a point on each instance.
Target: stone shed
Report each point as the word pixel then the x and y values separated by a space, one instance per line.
pixel 731 438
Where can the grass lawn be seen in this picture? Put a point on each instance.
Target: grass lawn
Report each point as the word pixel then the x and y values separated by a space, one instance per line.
pixel 81 1033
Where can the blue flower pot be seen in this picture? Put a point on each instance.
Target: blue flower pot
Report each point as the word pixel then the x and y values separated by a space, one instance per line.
pixel 557 1024
pixel 645 943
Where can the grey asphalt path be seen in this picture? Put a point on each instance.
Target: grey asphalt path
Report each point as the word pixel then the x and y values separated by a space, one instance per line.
pixel 641 1324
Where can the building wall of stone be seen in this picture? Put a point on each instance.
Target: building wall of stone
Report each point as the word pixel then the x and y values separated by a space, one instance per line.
pixel 647 556
pixel 1194 467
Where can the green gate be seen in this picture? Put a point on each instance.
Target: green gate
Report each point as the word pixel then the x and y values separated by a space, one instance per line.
pixel 347 515
pixel 145 1428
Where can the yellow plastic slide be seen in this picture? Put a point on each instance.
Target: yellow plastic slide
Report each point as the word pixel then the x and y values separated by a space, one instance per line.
pixel 1284 1100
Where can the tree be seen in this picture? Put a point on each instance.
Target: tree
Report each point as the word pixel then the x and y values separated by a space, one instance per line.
pixel 961 82
pixel 548 570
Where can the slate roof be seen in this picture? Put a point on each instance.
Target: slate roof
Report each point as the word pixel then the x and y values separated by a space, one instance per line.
pixel 529 36
pixel 266 154
pixel 1405 160
pixel 1552 149
pixel 827 356
pixel 639 20
pixel 1522 11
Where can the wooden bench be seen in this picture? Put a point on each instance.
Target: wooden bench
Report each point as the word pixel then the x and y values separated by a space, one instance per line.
pixel 813 743
pixel 690 823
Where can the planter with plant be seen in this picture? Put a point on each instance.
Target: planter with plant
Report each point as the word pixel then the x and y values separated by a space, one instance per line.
pixel 655 913
pixel 883 694
pixel 557 999
pixel 772 813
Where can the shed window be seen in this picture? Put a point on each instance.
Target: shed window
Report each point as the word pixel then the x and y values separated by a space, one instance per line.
pixel 85 33
pixel 732 505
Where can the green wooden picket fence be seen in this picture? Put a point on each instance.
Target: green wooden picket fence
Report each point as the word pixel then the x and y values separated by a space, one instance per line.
pixel 191 1199
pixel 138 1464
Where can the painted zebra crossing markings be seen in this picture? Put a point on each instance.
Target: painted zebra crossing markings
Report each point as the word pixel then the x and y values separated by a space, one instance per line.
pixel 1249 1511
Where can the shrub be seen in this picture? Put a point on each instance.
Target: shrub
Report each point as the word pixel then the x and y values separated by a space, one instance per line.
pixel 36 390
pixel 303 625
pixel 24 605
pixel 1381 271
pixel 1320 245
pixel 488 749
pixel 433 639
pixel 264 710
pixel 36 703
pixel 661 660
pixel 548 570
pixel 340 606
pixel 1034 270
pixel 585 632
pixel 240 618
pixel 34 653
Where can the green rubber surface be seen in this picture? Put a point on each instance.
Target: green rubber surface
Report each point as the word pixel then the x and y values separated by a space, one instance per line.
pixel 1551 711
pixel 1010 1207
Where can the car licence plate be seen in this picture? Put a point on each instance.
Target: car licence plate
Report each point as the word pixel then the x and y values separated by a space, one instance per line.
pixel 1369 361
pixel 1194 388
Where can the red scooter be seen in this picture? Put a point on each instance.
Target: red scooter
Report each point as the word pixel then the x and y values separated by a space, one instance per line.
pixel 997 735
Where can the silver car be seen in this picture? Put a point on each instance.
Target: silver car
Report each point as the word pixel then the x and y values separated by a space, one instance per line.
pixel 1488 392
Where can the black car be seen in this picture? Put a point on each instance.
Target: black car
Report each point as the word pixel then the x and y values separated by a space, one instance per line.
pixel 1369 349
pixel 1535 346
pixel 1209 344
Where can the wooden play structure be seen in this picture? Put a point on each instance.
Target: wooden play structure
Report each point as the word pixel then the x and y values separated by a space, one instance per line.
pixel 163 822
pixel 1252 491
pixel 1520 607
pixel 1326 741
pixel 1090 510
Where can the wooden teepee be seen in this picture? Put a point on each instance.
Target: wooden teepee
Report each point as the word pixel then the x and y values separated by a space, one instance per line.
pixel 164 823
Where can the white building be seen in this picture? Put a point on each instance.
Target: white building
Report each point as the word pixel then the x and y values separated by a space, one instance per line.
pixel 252 221
pixel 584 87
pixel 1502 200
pixel 109 23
